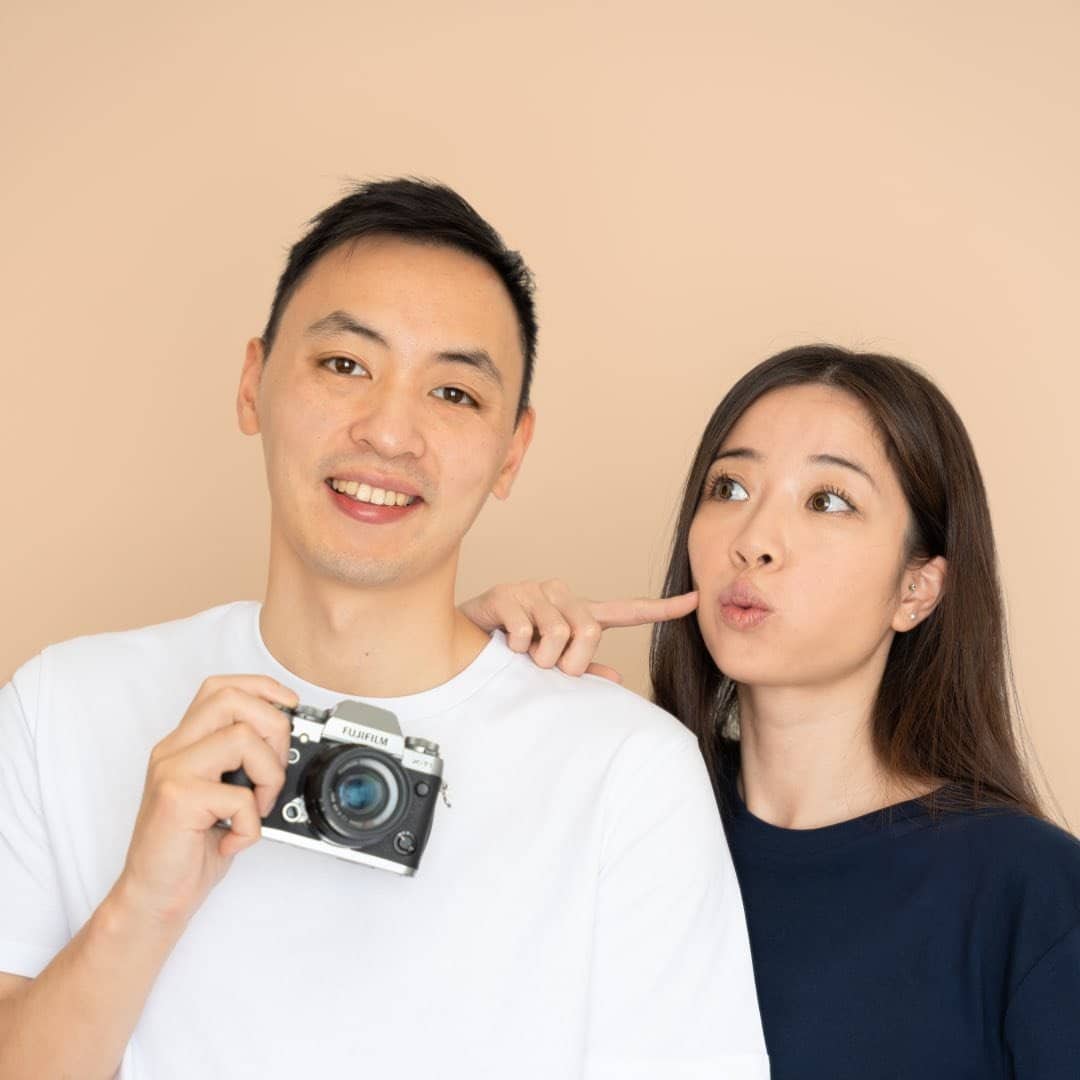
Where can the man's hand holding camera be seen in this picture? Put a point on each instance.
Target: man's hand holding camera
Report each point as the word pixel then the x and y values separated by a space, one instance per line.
pixel 100 981
pixel 176 855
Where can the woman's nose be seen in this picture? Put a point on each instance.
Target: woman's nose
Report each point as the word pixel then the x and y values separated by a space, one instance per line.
pixel 758 543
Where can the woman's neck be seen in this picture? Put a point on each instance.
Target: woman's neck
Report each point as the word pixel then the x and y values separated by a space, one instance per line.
pixel 807 755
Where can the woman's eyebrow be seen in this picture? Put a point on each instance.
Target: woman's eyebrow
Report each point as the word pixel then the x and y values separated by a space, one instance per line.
pixel 747 454
pixel 844 463
pixel 739 452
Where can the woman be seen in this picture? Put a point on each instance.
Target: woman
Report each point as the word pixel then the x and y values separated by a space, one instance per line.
pixel 911 912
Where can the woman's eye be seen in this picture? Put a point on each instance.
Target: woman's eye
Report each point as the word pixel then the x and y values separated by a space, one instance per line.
pixel 829 502
pixel 726 489
pixel 455 395
pixel 344 365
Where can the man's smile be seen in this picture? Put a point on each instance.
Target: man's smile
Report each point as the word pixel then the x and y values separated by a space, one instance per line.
pixel 371 505
pixel 365 492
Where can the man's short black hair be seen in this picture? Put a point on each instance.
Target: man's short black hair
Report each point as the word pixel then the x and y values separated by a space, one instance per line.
pixel 417 210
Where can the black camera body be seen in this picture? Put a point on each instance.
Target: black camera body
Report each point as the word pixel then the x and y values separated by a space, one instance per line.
pixel 355 787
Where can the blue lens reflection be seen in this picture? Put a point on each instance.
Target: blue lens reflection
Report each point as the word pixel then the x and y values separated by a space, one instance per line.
pixel 361 793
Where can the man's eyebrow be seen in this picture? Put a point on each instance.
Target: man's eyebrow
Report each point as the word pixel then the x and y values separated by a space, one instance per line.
pixel 745 453
pixel 341 322
pixel 474 358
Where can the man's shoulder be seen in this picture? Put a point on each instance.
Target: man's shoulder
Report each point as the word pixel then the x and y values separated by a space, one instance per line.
pixel 590 703
pixel 199 627
pixel 92 659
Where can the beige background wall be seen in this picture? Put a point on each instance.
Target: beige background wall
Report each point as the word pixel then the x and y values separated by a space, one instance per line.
pixel 695 184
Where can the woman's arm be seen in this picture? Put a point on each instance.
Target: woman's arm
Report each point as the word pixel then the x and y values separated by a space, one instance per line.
pixel 558 628
pixel 1042 1024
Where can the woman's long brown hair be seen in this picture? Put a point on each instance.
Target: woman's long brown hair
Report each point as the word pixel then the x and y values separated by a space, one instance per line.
pixel 946 708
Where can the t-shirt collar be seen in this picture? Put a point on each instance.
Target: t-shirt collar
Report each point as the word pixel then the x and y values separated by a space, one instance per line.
pixel 494 656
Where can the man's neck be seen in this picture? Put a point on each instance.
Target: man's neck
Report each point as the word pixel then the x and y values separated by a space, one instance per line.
pixel 807 754
pixel 385 641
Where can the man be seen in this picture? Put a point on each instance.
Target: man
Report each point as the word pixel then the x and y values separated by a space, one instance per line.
pixel 575 910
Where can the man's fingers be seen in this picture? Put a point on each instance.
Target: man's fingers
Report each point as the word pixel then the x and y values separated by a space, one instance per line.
pixel 642 610
pixel 222 707
pixel 259 686
pixel 195 804
pixel 237 746
pixel 227 802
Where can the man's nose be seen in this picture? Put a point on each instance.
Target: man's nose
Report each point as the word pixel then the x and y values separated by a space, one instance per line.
pixel 391 422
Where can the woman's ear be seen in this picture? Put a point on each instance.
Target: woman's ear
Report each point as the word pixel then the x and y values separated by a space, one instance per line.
pixel 247 393
pixel 921 589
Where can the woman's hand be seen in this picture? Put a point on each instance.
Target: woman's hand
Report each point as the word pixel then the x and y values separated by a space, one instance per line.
pixel 555 627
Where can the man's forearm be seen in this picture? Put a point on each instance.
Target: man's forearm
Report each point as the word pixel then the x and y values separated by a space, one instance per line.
pixel 74 1020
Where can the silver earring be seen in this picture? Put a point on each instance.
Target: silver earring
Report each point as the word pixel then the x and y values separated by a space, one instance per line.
pixel 913 616
pixel 912 587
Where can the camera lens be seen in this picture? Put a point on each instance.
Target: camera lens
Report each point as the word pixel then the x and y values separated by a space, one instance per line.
pixel 361 794
pixel 355 794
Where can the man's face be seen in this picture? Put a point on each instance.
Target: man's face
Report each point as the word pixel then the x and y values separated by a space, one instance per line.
pixel 387 409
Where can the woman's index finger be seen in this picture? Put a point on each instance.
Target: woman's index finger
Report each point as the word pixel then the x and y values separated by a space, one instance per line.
pixel 643 610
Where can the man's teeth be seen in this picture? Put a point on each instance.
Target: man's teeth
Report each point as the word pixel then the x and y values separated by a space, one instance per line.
pixel 367 493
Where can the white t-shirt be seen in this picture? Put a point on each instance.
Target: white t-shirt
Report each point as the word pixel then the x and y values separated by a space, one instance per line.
pixel 576 913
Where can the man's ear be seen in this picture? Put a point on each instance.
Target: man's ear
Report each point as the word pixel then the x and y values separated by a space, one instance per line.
pixel 247 395
pixel 916 603
pixel 519 443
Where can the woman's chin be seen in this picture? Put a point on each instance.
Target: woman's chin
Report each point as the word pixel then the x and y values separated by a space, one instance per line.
pixel 744 669
pixel 746 663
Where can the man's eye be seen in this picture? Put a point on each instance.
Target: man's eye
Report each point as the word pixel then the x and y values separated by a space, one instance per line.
pixel 727 489
pixel 830 502
pixel 455 395
pixel 344 365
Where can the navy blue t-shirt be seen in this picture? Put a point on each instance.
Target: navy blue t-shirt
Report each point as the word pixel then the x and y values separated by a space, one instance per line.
pixel 909 946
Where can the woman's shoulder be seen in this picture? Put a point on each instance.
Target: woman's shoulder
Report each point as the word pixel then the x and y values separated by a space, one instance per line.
pixel 1030 863
pixel 1026 872
pixel 997 830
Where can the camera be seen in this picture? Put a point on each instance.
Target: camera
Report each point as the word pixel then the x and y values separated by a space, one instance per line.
pixel 355 787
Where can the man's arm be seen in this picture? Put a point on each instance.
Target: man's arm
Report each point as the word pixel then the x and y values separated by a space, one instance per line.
pixel 75 1017
pixel 672 990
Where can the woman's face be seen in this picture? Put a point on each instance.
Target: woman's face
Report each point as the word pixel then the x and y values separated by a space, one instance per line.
pixel 798 543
